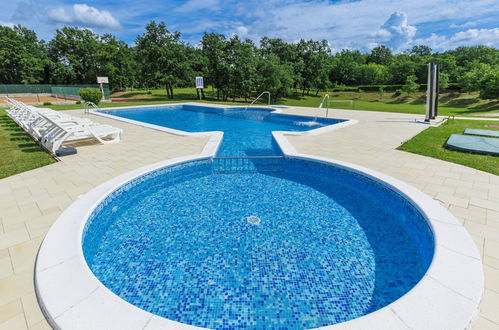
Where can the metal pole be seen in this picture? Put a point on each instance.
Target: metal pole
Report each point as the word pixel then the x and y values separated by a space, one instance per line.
pixel 433 89
pixel 437 88
pixel 428 94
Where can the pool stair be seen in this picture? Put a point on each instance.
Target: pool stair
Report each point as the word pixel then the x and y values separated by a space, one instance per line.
pixel 248 164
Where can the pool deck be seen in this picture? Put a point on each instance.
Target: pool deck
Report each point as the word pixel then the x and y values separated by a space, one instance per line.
pixel 31 201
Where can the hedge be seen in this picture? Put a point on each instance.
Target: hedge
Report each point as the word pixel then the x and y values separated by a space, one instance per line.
pixel 386 88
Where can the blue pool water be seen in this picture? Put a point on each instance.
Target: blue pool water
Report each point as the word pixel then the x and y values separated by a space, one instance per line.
pixel 246 133
pixel 309 246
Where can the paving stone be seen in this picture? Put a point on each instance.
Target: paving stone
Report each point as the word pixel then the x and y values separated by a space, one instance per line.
pixel 30 202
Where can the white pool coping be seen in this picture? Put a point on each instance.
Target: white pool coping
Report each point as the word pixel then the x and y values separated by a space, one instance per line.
pixel 71 297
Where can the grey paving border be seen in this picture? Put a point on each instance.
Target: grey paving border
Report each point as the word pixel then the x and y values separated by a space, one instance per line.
pixel 71 297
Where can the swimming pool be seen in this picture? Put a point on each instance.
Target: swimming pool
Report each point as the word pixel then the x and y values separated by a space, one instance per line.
pixel 310 246
pixel 317 242
pixel 247 132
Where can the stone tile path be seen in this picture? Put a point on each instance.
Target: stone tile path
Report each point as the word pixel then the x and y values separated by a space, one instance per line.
pixel 30 202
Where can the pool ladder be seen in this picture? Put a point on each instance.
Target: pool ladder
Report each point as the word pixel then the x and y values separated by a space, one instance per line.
pixel 259 96
pixel 87 106
pixel 322 104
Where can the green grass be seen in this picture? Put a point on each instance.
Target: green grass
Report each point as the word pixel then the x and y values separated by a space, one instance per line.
pixel 431 142
pixel 452 103
pixel 18 153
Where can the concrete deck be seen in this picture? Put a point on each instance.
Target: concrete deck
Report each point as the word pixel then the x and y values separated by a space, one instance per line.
pixel 30 202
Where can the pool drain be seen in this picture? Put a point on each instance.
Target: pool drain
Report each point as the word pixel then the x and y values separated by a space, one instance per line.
pixel 254 220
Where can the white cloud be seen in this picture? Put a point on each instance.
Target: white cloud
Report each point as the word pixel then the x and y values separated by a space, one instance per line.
pixel 355 24
pixel 193 5
pixel 471 37
pixel 242 31
pixel 396 32
pixel 84 15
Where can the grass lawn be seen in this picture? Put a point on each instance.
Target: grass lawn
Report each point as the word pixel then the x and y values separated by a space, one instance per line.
pixel 460 104
pixel 431 142
pixel 452 103
pixel 18 152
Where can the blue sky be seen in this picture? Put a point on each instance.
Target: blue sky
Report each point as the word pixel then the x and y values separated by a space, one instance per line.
pixel 356 24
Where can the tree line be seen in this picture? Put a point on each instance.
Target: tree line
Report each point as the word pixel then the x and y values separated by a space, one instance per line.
pixel 236 68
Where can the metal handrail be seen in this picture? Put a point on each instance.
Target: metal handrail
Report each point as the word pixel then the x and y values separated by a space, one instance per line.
pixel 266 92
pixel 327 105
pixel 87 105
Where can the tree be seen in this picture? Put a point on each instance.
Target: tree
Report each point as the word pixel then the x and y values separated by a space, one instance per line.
pixel 489 86
pixel 411 86
pixel 273 76
pixel 73 52
pixel 242 67
pixel 213 49
pixel 23 58
pixel 161 57
pixel 470 80
pixel 420 50
pixel 346 67
pixel 115 60
pixel 380 55
pixel 287 54
pixel 373 74
pixel 314 73
pixel 443 80
pixel 401 68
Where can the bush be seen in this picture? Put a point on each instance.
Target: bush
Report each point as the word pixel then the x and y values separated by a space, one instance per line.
pixel 398 92
pixel 411 85
pixel 78 102
pixel 47 103
pixel 90 95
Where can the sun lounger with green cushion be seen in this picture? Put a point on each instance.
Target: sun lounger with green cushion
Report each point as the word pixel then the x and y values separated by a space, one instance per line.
pixel 477 144
pixel 481 132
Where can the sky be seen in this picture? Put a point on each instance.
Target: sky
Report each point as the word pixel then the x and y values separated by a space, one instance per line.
pixel 350 24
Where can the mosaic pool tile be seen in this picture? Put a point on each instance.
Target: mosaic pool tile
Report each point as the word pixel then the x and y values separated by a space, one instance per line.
pixel 331 245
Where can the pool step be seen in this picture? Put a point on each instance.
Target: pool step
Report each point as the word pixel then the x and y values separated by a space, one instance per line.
pixel 248 164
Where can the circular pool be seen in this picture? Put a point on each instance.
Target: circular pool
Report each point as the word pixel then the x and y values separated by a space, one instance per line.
pixel 308 246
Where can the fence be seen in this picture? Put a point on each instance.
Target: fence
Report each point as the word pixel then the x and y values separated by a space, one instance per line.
pixel 60 91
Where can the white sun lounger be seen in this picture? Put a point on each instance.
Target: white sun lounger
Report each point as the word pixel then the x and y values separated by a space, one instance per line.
pixel 52 128
pixel 60 132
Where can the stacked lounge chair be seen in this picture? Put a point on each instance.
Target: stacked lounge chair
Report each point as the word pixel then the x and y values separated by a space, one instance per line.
pixel 52 128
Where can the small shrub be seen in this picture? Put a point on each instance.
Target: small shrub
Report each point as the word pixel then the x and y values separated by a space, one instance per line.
pixel 47 103
pixel 381 91
pixel 78 102
pixel 90 95
pixel 411 86
pixel 398 92
pixel 361 90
